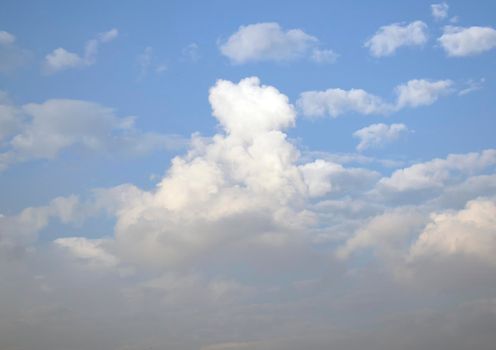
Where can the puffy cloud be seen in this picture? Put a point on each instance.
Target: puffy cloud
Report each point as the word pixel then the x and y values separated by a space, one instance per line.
pixel 461 41
pixel 439 11
pixel 242 185
pixel 61 59
pixel 420 92
pixel 41 131
pixel 377 135
pixel 437 172
pixel 334 102
pixel 269 42
pixel 389 38
pixel 470 232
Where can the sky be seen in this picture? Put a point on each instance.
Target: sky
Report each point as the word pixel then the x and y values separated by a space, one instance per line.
pixel 221 175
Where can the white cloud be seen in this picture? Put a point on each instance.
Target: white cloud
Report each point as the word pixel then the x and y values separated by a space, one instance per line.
pixel 92 251
pixel 469 232
pixel 244 184
pixel 471 41
pixel 269 42
pixel 57 124
pixel 61 59
pixel 439 11
pixel 377 135
pixel 335 102
pixel 437 172
pixel 6 38
pixel 420 92
pixel 389 38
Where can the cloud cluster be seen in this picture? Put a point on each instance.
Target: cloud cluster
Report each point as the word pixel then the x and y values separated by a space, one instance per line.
pixel 60 59
pixel 248 244
pixel 389 38
pixel 269 42
pixel 335 102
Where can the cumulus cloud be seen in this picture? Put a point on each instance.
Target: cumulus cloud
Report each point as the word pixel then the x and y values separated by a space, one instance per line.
pixel 335 102
pixel 245 240
pixel 377 135
pixel 469 232
pixel 270 42
pixel 389 38
pixel 439 11
pixel 247 174
pixel 42 130
pixel 437 172
pixel 419 92
pixel 471 41
pixel 61 59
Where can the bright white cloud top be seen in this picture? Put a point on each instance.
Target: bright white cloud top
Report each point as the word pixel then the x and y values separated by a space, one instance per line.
pixel 470 41
pixel 270 42
pixel 390 38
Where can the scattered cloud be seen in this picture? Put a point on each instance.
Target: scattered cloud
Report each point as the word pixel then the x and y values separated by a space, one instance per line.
pixel 269 42
pixel 43 130
pixel 377 135
pixel 472 85
pixel 191 52
pixel 6 38
pixel 60 59
pixel 471 41
pixel 420 92
pixel 436 173
pixel 335 102
pixel 12 56
pixel 389 38
pixel 147 62
pixel 439 11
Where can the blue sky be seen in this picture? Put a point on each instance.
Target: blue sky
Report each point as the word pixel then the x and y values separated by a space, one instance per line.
pixel 280 156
